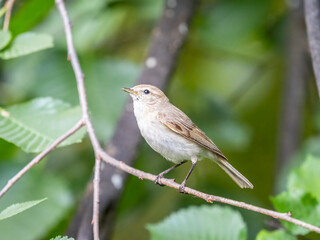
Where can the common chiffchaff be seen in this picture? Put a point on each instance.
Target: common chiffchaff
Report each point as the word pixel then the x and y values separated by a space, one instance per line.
pixel 171 133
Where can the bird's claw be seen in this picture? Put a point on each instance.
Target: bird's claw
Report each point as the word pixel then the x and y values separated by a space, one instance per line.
pixel 158 180
pixel 181 189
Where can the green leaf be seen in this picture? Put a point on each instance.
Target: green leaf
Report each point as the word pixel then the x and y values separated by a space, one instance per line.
pixel 306 178
pixel 5 37
pixel 275 235
pixel 199 223
pixel 303 207
pixel 28 14
pixel 27 43
pixel 34 125
pixel 62 238
pixel 303 196
pixel 18 208
pixel 37 221
pixel 60 83
pixel 7 149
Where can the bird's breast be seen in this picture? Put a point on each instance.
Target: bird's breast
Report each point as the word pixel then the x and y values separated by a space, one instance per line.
pixel 169 144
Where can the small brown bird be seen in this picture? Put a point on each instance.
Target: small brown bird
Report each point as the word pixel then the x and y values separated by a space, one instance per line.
pixel 171 133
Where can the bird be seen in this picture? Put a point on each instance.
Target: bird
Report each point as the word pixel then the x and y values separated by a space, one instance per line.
pixel 171 133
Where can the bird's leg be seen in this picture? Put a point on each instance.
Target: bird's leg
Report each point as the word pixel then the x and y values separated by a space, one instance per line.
pixel 160 175
pixel 183 184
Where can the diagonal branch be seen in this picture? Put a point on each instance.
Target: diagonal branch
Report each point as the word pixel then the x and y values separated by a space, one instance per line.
pixel 208 197
pixel 8 6
pixel 39 157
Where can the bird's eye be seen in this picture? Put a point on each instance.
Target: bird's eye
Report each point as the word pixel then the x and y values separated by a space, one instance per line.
pixel 146 91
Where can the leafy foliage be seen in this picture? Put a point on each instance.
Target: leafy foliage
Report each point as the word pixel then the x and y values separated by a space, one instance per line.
pixel 5 38
pixel 104 80
pixel 18 208
pixel 306 178
pixel 34 125
pixel 29 14
pixel 27 43
pixel 201 223
pixel 302 198
pixel 39 220
pixel 62 238
pixel 275 235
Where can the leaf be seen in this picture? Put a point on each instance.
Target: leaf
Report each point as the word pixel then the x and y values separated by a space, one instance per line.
pixel 7 150
pixel 104 95
pixel 18 208
pixel 29 14
pixel 199 223
pixel 34 125
pixel 275 235
pixel 5 37
pixel 303 207
pixel 306 178
pixel 37 221
pixel 27 43
pixel 62 238
pixel 303 196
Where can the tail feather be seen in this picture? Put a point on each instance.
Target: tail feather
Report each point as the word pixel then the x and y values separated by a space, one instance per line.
pixel 241 180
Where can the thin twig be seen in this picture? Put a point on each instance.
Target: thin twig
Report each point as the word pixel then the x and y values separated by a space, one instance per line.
pixel 72 55
pixel 209 198
pixel 9 5
pixel 96 197
pixel 39 157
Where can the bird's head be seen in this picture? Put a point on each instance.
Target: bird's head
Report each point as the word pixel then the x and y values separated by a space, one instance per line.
pixel 147 95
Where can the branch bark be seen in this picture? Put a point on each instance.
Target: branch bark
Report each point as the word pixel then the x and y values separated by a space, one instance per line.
pixel 207 197
pixel 167 38
pixel 72 55
pixel 9 6
pixel 293 90
pixel 39 157
pixel 312 18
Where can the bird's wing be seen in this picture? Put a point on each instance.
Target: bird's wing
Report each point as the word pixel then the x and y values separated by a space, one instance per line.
pixel 181 124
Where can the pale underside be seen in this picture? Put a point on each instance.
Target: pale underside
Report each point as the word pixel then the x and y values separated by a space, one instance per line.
pixel 176 137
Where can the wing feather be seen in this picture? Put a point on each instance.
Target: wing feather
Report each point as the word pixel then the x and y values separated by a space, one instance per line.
pixel 181 124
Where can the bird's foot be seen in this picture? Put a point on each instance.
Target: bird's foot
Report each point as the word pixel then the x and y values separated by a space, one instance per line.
pixel 158 180
pixel 181 188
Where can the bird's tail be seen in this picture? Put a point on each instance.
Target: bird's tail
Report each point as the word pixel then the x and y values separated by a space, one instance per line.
pixel 234 174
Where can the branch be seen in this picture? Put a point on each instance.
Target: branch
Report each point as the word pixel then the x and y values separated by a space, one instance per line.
pixel 39 157
pixel 167 38
pixel 312 17
pixel 289 129
pixel 8 5
pixel 72 55
pixel 209 198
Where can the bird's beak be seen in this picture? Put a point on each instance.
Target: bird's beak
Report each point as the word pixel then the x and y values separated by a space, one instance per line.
pixel 129 90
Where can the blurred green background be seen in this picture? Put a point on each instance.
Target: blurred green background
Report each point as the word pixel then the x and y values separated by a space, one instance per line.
pixel 229 79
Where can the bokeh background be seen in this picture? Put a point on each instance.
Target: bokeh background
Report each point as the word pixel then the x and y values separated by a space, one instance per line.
pixel 233 78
